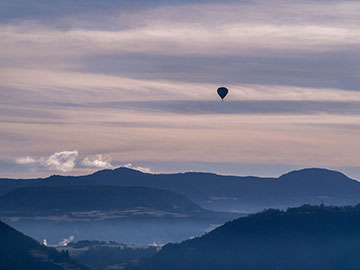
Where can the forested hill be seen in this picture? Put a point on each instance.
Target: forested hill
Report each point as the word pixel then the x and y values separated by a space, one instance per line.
pixel 308 237
pixel 223 193
pixel 63 199
pixel 20 252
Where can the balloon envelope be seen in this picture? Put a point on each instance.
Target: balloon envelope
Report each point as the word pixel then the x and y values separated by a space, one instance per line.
pixel 222 92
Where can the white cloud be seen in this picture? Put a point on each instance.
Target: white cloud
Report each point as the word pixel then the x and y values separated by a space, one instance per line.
pixel 98 161
pixel 66 241
pixel 61 161
pixel 25 160
pixel 65 161
pixel 141 169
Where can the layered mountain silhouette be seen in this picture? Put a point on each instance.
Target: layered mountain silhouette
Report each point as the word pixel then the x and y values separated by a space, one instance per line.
pixel 224 193
pixel 19 252
pixel 58 200
pixel 57 207
pixel 308 237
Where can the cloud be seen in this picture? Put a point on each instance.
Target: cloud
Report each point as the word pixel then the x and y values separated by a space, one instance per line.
pixel 65 161
pixel 168 39
pixel 25 160
pixel 98 161
pixel 141 169
pixel 62 161
pixel 142 81
pixel 250 107
pixel 312 43
pixel 46 87
pixel 66 241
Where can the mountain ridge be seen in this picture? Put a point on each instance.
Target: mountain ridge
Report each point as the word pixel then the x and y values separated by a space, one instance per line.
pixel 19 252
pixel 221 192
pixel 298 238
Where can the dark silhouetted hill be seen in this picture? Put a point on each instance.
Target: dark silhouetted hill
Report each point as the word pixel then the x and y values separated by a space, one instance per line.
pixel 20 252
pixel 224 193
pixel 308 237
pixel 53 200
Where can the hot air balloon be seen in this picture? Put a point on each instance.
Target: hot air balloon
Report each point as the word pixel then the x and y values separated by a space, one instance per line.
pixel 222 92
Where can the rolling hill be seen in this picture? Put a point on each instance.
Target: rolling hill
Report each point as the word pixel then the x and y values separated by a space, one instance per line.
pixel 18 252
pixel 223 193
pixel 308 237
pixel 60 200
pixel 126 214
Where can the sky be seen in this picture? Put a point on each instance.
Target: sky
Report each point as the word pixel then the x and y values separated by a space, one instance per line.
pixel 89 85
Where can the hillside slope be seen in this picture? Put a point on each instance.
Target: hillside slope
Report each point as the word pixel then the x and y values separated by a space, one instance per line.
pixel 224 193
pixel 309 237
pixel 19 252
pixel 57 200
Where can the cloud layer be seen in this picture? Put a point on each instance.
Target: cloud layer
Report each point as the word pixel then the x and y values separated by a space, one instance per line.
pixel 136 81
pixel 99 162
pixel 65 161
